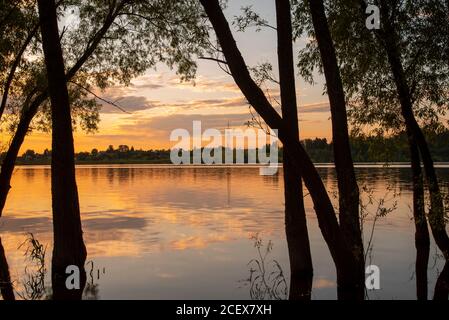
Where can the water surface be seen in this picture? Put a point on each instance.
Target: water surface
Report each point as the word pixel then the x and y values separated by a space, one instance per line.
pixel 164 232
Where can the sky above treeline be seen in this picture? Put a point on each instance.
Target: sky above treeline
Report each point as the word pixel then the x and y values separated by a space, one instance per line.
pixel 158 102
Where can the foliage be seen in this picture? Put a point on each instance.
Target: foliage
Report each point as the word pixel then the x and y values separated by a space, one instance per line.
pixel 382 206
pixel 250 18
pixel 375 148
pixel 364 66
pixel 142 35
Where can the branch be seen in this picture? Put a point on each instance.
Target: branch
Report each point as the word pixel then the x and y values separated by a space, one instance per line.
pixel 213 59
pixel 112 103
pixel 14 67
pixel 220 63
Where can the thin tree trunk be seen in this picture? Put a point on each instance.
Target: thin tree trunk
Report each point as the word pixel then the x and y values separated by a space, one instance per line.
pixel 422 239
pixel 347 183
pixel 301 268
pixel 339 249
pixel 6 288
pixel 436 213
pixel 442 285
pixel 69 248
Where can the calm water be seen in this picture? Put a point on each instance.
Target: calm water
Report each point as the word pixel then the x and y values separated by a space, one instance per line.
pixel 161 232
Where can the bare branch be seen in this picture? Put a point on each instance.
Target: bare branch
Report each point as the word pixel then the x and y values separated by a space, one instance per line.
pixel 213 59
pixel 112 103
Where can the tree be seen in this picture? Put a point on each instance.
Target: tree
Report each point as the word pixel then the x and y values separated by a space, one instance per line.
pixel 411 57
pixel 6 288
pixel 442 285
pixel 301 269
pixel 391 39
pixel 68 244
pixel 29 154
pixel 395 78
pixel 47 153
pixel 103 51
pixel 340 250
pixel 123 148
pixel 348 190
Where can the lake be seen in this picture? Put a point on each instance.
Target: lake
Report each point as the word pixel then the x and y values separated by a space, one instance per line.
pixel 166 232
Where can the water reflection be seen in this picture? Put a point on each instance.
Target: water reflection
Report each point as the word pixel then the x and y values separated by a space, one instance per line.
pixel 6 288
pixel 172 230
pixel 92 289
pixel 266 279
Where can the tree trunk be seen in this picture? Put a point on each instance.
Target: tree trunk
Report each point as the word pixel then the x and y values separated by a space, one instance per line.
pixel 69 248
pixel 442 285
pixel 338 247
pixel 436 213
pixel 6 288
pixel 347 183
pixel 301 268
pixel 422 241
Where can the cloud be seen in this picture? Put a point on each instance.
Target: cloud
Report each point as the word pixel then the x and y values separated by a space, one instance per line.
pixel 192 105
pixel 170 122
pixel 127 103
pixel 315 108
pixel 152 82
pixel 154 128
pixel 139 103
pixel 203 84
pixel 161 81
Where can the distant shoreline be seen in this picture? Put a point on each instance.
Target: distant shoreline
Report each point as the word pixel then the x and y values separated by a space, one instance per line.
pixel 254 165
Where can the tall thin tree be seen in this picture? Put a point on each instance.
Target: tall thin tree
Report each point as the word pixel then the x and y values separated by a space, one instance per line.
pixel 301 268
pixel 389 37
pixel 372 88
pixel 347 280
pixel 69 248
pixel 347 183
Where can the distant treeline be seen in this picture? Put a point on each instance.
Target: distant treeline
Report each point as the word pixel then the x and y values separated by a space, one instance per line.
pixel 379 148
pixel 364 149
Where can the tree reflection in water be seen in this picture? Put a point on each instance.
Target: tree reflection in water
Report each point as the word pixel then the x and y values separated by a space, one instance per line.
pixel 6 287
pixel 91 291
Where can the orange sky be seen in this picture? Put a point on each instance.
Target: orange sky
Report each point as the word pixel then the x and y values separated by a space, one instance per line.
pixel 155 112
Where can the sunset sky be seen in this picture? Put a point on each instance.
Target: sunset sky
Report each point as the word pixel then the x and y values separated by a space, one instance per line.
pixel 158 103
